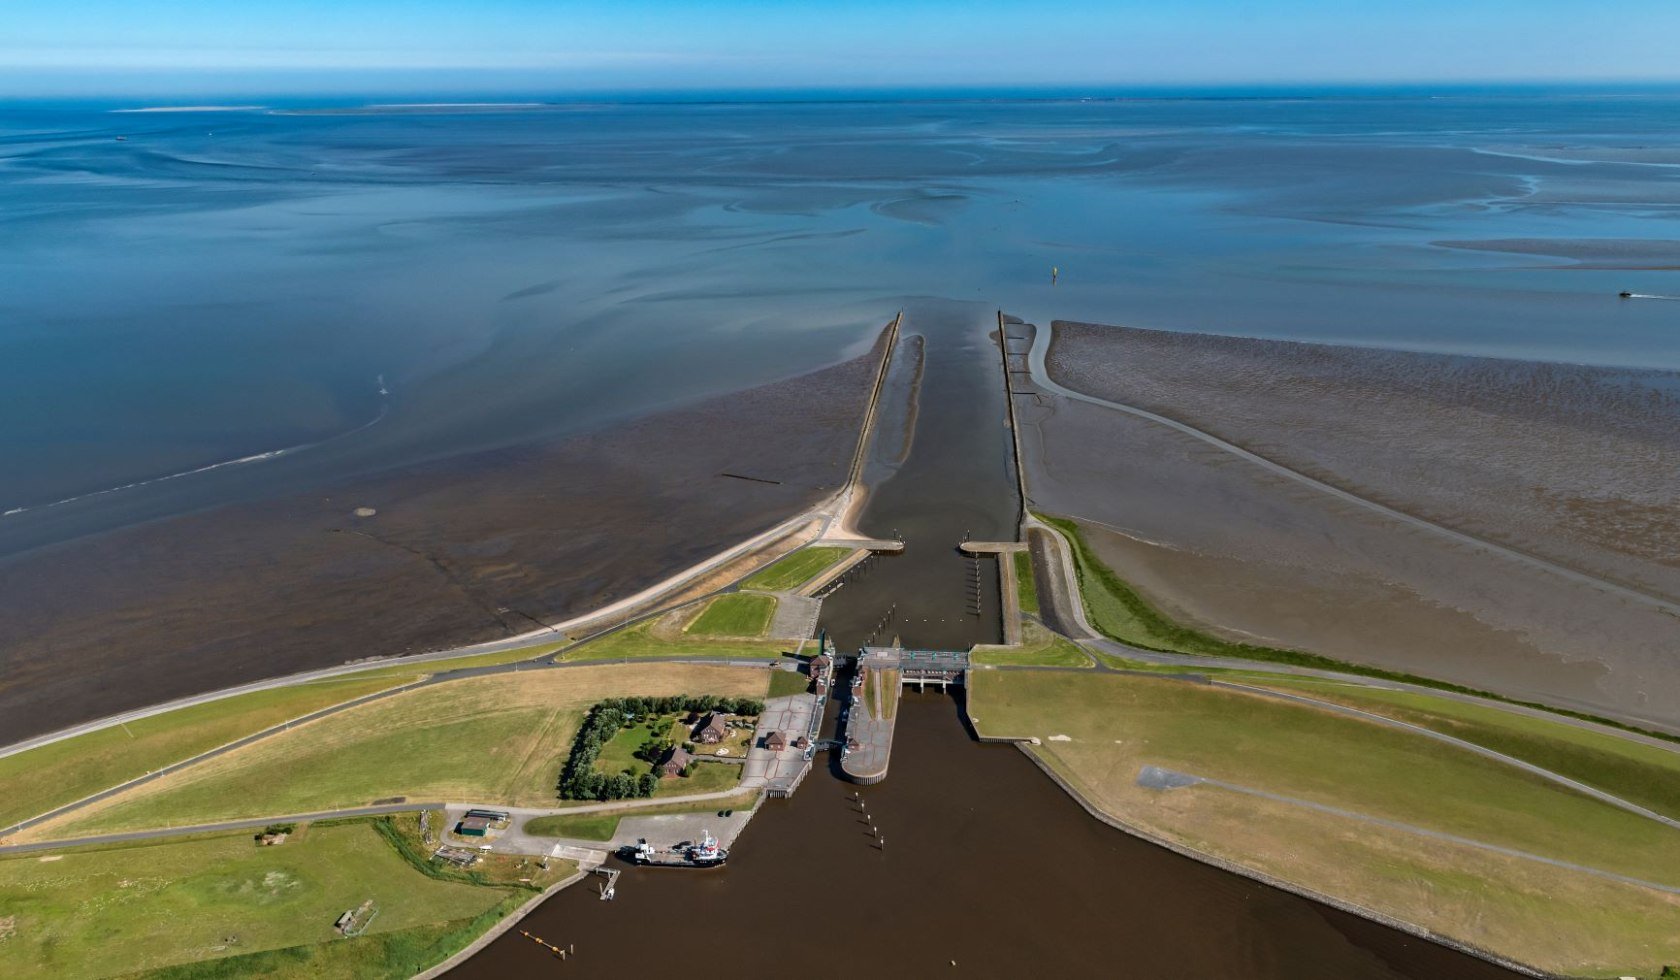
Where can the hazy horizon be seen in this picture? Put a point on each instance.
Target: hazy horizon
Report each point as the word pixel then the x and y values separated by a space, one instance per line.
pixel 285 47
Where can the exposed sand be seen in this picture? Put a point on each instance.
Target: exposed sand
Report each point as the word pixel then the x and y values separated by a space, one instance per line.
pixel 1221 542
pixel 455 552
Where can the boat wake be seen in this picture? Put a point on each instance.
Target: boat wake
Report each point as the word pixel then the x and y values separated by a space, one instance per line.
pixel 261 457
pixel 1649 296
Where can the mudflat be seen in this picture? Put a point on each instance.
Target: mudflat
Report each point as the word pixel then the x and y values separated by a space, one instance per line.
pixel 426 557
pixel 1578 464
pixel 1228 545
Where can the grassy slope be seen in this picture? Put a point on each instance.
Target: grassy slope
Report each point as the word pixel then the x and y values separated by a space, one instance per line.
pixel 736 614
pixel 1643 774
pixel 495 739
pixel 1120 613
pixel 794 570
pixel 95 912
pixel 1319 756
pixel 1555 918
pixel 1039 648
pixel 640 641
pixel 36 781
pixel 1026 587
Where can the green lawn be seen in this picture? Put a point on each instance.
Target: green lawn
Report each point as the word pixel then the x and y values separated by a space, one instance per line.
pixel 794 570
pixel 1026 587
pixel 1640 773
pixel 743 614
pixel 708 777
pixel 788 682
pixel 98 912
pixel 36 781
pixel 1116 723
pixel 500 738
pixel 579 826
pixel 619 754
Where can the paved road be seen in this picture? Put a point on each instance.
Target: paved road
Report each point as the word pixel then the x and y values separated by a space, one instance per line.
pixel 255 823
pixel 1041 377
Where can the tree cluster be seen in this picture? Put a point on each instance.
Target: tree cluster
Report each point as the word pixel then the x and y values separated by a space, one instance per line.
pixel 580 780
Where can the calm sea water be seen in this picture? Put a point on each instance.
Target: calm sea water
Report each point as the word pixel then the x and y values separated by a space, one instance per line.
pixel 224 304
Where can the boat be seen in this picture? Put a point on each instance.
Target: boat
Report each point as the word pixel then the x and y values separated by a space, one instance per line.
pixel 689 854
pixel 1626 294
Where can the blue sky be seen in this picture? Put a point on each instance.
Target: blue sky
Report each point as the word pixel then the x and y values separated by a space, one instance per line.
pixel 122 46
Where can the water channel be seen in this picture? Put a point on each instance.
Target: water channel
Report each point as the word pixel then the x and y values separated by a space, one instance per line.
pixel 992 871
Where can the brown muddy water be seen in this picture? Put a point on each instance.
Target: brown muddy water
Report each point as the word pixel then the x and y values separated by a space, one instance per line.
pixel 991 867
pixel 993 871
pixel 940 471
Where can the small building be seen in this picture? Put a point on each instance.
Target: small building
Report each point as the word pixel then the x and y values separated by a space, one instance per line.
pixel 820 664
pixel 775 741
pixel 675 761
pixel 494 816
pixel 269 840
pixel 473 827
pixel 714 729
pixel 801 742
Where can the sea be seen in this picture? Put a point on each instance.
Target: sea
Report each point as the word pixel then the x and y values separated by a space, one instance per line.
pixel 210 303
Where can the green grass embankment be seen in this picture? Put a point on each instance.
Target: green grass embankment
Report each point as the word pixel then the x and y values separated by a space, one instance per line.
pixel 1639 773
pixel 1039 648
pixel 1120 613
pixel 38 780
pixel 792 571
pixel 641 640
pixel 1026 587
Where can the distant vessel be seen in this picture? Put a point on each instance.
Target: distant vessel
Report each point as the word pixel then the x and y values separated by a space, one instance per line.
pixel 1625 294
pixel 705 854
pixel 122 139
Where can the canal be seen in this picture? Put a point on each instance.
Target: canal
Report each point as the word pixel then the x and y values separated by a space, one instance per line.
pixel 984 867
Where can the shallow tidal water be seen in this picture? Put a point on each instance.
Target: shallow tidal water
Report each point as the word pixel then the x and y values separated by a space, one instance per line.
pixel 233 304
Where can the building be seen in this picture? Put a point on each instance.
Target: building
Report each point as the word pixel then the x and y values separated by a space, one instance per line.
pixel 775 741
pixel 473 827
pixel 494 816
pixel 714 729
pixel 675 761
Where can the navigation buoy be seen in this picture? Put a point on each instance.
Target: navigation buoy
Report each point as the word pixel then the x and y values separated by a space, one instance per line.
pixel 1055 274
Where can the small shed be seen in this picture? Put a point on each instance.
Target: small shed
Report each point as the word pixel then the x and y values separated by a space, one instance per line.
pixel 775 741
pixel 473 827
pixel 675 761
pixel 714 729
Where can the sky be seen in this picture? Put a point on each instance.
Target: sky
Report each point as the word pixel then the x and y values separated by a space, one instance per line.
pixel 122 47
